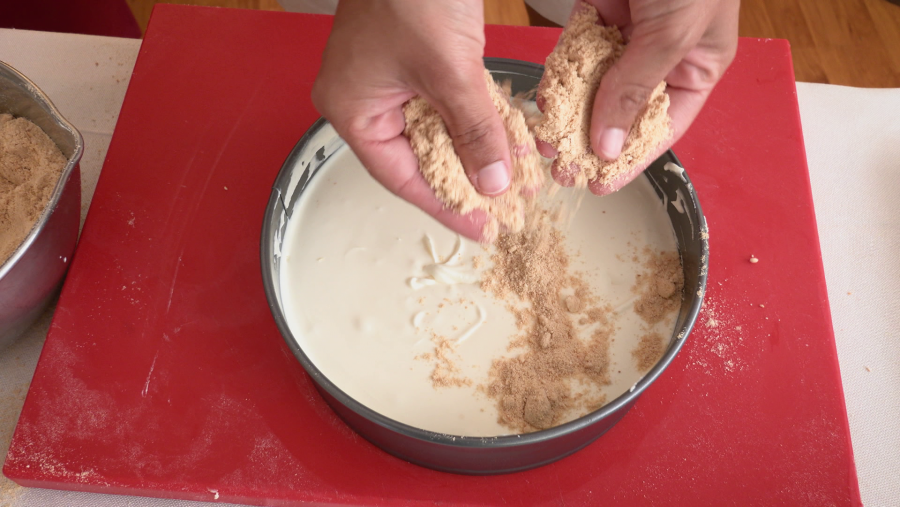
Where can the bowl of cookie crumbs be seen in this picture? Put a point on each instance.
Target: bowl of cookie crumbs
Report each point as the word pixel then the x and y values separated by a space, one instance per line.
pixel 40 201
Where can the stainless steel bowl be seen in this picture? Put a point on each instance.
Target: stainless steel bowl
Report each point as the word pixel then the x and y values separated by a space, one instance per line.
pixel 30 278
pixel 463 454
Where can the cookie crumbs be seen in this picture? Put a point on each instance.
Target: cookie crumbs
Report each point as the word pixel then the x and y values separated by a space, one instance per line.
pixel 530 273
pixel 30 166
pixel 661 288
pixel 648 351
pixel 446 372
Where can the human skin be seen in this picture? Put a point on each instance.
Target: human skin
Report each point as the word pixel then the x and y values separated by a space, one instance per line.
pixel 381 53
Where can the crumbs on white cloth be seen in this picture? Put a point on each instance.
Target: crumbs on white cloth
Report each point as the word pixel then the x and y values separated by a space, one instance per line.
pixel 854 131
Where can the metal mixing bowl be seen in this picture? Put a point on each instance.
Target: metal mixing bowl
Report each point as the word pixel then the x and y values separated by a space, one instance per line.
pixel 31 276
pixel 480 455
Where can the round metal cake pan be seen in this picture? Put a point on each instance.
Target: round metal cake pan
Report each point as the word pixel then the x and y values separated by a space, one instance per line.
pixel 466 454
pixel 31 276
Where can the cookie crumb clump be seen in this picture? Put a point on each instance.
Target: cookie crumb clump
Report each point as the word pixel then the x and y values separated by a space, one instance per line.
pixel 443 170
pixel 584 53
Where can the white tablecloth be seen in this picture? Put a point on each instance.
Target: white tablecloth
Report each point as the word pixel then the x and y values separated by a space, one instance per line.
pixel 852 138
pixel 853 144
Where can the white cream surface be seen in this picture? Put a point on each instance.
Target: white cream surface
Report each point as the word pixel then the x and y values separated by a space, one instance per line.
pixel 364 291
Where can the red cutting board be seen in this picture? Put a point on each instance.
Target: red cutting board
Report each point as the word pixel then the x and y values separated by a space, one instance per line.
pixel 164 375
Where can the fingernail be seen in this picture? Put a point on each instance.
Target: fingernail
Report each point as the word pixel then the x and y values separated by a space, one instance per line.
pixel 610 143
pixel 493 178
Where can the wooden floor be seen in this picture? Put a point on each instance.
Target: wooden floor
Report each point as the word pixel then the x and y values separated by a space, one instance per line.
pixel 846 42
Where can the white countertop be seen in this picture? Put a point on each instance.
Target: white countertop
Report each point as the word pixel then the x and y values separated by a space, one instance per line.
pixel 852 138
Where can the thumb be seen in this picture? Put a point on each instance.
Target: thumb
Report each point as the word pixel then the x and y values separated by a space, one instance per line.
pixel 474 124
pixel 626 88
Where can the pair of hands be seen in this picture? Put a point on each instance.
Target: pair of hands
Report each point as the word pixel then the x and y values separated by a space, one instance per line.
pixel 381 53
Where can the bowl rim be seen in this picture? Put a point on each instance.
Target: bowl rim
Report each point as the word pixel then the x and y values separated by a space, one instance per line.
pixel 268 252
pixel 8 72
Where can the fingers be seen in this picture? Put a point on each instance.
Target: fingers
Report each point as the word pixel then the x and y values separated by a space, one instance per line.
pixel 565 176
pixel 393 164
pixel 601 189
pixel 684 106
pixel 626 88
pixel 379 144
pixel 374 130
pixel 545 149
pixel 687 43
pixel 691 82
pixel 475 126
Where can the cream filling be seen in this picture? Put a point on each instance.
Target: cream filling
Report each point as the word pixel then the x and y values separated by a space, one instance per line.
pixel 365 290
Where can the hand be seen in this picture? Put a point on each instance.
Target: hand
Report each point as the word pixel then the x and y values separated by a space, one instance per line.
pixel 380 54
pixel 687 43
